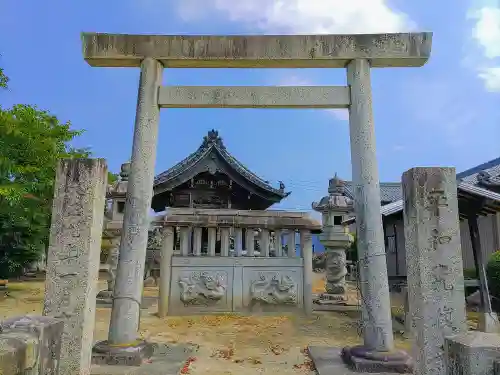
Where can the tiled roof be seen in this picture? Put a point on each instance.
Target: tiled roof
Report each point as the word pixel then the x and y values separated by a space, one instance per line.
pixel 212 142
pixel 389 191
pixel 492 168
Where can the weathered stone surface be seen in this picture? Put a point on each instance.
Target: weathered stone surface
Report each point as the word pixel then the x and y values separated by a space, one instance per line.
pixel 254 97
pixel 73 257
pixel 327 361
pixel 166 360
pixel 240 218
pixel 30 345
pixel 471 353
pixel 376 304
pixel 257 51
pixel 336 271
pixel 124 321
pixel 434 263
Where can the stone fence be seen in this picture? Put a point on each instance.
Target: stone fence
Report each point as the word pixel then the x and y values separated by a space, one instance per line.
pixel 30 345
pixel 224 262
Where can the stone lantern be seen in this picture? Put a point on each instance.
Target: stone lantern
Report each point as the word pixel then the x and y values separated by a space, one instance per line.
pixel 111 235
pixel 335 238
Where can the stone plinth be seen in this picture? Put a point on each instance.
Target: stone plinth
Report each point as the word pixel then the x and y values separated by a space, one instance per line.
pixel 30 345
pixel 471 353
pixel 434 264
pixel 73 257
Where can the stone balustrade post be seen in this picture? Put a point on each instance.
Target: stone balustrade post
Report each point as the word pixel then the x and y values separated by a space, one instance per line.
pixel 224 241
pixel 212 239
pixel 278 247
pixel 197 237
pixel 238 242
pixel 184 239
pixel 167 251
pixel 291 243
pixel 264 243
pixel 250 242
pixel 307 255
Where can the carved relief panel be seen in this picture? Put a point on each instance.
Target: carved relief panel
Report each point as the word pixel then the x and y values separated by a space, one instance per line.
pixel 272 288
pixel 198 289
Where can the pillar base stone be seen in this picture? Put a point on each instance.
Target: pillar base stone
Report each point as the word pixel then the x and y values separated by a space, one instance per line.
pixel 360 359
pixel 330 299
pixel 135 355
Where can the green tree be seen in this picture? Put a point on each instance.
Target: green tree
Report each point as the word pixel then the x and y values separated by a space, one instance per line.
pixel 31 142
pixel 4 80
pixel 112 178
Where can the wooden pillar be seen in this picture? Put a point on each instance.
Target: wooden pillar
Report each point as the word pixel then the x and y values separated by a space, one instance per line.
pixel 479 262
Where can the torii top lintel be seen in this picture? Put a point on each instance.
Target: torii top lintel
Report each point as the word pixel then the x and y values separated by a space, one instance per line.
pixel 257 51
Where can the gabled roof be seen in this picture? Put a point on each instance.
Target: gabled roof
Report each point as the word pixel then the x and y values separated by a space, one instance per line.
pixel 389 191
pixel 492 167
pixel 468 186
pixel 213 142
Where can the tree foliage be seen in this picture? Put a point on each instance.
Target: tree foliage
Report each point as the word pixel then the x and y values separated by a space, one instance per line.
pixel 493 274
pixel 4 80
pixel 31 143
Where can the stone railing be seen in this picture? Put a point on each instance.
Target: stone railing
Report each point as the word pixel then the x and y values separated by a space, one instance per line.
pixel 238 233
pixel 229 257
pixel 30 345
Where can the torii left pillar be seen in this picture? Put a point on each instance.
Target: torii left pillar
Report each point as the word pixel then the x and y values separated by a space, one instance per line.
pixel 123 344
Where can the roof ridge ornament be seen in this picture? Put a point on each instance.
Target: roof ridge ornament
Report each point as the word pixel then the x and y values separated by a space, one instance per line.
pixel 484 179
pixel 212 138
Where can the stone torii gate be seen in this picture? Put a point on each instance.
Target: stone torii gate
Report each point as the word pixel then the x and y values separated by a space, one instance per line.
pixel 357 53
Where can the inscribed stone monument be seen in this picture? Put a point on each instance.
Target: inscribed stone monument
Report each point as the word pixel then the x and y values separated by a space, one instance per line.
pixel 434 264
pixel 73 258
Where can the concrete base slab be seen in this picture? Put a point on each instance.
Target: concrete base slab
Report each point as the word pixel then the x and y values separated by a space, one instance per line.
pixel 328 361
pixel 361 359
pixel 488 323
pixel 166 360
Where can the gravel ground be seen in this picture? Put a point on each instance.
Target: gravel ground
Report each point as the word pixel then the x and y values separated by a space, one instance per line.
pixel 228 344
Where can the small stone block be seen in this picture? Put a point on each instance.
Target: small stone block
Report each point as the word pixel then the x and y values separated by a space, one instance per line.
pixel 332 297
pixel 472 353
pixel 361 360
pixel 166 360
pixel 36 341
pixel 104 354
pixel 328 361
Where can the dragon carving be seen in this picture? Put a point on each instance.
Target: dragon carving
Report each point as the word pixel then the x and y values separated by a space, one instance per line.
pixel 201 288
pixel 278 289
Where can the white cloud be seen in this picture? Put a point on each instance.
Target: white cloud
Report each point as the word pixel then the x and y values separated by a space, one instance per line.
pixel 491 78
pixel 486 35
pixel 302 16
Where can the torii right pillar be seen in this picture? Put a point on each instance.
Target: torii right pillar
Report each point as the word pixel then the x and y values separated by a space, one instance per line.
pixel 377 352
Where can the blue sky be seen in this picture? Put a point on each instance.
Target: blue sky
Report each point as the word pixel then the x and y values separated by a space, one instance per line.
pixel 446 113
